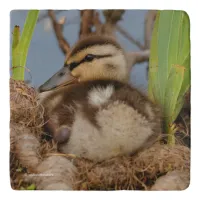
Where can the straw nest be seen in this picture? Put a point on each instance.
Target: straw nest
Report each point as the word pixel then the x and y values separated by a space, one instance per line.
pixel 34 160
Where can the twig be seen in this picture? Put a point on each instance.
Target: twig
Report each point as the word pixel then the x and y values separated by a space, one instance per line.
pixel 58 28
pixel 45 15
pixel 86 22
pixel 96 19
pixel 69 22
pixel 97 23
pixel 113 16
pixel 111 19
pixel 129 37
pixel 106 28
pixel 137 57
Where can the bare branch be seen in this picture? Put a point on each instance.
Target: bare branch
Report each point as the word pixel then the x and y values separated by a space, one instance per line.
pixel 149 22
pixel 129 37
pixel 86 22
pixel 101 29
pixel 107 29
pixel 97 23
pixel 58 28
pixel 113 16
pixel 45 15
pixel 137 57
pixel 96 19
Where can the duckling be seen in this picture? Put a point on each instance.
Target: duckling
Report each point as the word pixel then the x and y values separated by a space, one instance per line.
pixel 91 110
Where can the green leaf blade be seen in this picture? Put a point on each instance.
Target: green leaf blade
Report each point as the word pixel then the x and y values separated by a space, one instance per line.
pixel 170 50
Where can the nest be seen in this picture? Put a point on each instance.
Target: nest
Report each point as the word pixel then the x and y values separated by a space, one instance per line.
pixel 30 154
pixel 24 107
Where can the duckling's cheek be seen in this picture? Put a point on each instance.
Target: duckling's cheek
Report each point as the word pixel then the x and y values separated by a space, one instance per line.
pixel 62 134
pixel 82 72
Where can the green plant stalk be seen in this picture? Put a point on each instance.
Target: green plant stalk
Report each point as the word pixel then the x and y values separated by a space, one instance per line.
pixel 20 51
pixel 15 42
pixel 171 130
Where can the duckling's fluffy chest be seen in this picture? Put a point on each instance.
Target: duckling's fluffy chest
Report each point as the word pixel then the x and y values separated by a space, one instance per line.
pixel 105 118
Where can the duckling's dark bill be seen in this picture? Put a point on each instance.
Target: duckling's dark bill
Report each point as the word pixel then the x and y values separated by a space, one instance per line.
pixel 62 78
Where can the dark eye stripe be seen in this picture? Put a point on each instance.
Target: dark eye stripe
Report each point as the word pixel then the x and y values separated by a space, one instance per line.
pixel 75 64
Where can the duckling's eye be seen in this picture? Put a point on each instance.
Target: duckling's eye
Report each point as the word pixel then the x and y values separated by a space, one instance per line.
pixel 89 57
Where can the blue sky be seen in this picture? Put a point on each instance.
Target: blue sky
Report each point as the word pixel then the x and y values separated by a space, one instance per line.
pixel 45 57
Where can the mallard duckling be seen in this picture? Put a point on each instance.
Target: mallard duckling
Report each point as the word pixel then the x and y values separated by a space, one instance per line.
pixel 93 112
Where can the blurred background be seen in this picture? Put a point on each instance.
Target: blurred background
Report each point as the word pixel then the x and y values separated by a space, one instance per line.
pixel 46 57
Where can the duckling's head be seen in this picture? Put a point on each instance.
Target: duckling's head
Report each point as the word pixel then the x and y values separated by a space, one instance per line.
pixel 92 58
